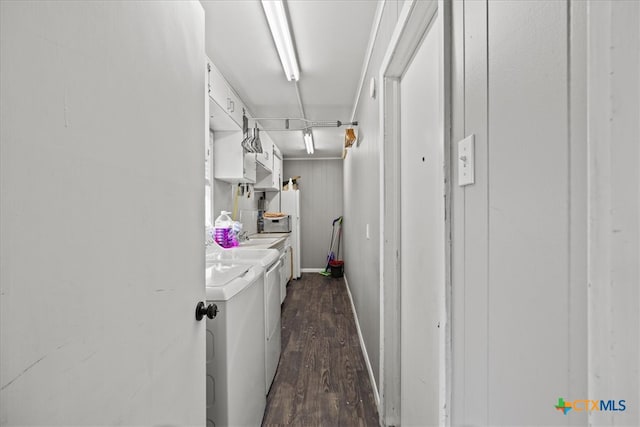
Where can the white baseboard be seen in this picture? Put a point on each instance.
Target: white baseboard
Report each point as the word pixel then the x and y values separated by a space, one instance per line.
pixel 311 270
pixel 376 395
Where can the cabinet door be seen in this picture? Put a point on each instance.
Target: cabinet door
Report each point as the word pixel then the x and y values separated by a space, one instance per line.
pixel 217 87
pixel 209 70
pixel 273 299
pixel 224 96
pixel 232 163
pixel 266 157
pixel 276 177
pixel 249 172
pixel 284 277
pixel 290 263
pixel 272 318
pixel 234 106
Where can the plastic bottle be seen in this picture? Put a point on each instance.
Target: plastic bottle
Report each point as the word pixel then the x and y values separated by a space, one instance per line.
pixel 223 234
pixel 236 227
pixel 209 235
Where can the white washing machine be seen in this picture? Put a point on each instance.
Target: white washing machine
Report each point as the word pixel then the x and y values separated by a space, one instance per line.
pixel 269 261
pixel 235 345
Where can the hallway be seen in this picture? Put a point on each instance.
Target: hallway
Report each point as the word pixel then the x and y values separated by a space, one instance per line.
pixel 322 378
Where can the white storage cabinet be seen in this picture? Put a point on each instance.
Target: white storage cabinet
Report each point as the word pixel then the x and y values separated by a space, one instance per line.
pixel 232 163
pixel 224 95
pixel 268 176
pixel 265 159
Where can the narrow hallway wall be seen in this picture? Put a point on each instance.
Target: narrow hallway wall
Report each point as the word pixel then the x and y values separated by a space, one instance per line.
pixel 362 198
pixel 526 329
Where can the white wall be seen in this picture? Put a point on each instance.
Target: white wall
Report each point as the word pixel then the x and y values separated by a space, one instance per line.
pixel 519 328
pixel 224 195
pixel 321 187
pixel 526 330
pixel 520 234
pixel 101 250
pixel 362 201
pixel 614 207
pixel 534 81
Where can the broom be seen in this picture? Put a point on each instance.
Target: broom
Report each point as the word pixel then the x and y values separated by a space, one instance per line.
pixel 331 255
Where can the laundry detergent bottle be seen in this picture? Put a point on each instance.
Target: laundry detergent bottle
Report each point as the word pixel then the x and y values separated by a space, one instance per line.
pixel 223 232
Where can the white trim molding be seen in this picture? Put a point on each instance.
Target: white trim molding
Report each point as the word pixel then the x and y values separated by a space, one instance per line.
pixel 367 60
pixel 363 346
pixel 413 23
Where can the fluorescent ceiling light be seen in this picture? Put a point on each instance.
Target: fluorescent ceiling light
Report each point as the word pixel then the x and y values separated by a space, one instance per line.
pixel 274 10
pixel 308 142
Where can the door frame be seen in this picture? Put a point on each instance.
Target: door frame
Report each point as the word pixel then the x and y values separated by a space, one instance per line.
pixel 413 24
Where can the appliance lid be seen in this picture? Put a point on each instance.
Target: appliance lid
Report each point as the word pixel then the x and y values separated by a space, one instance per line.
pixel 225 280
pixel 240 255
pixel 219 274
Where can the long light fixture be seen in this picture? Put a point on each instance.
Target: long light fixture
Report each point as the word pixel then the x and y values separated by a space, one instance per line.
pixel 277 18
pixel 308 141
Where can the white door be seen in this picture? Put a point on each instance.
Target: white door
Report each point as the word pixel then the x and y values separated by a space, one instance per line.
pixel 422 231
pixel 101 248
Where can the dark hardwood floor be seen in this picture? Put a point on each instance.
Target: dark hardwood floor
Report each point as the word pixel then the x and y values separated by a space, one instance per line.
pixel 322 378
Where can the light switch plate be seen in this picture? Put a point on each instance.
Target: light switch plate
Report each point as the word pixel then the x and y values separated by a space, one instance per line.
pixel 466 161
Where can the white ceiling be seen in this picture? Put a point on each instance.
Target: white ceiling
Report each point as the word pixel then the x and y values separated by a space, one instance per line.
pixel 331 38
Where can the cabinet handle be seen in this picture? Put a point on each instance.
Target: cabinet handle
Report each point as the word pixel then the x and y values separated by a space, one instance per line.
pixel 233 106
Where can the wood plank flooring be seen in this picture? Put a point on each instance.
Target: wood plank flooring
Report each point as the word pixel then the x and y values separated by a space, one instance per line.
pixel 322 378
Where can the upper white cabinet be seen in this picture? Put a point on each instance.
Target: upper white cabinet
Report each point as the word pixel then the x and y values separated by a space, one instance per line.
pixel 276 152
pixel 235 107
pixel 268 171
pixel 277 167
pixel 217 85
pixel 265 159
pixel 231 162
pixel 277 173
pixel 224 96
